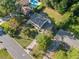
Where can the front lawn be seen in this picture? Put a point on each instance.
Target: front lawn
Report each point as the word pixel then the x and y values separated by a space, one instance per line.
pixel 4 54
pixel 24 42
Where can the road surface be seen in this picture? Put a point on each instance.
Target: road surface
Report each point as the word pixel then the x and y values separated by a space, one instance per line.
pixel 14 48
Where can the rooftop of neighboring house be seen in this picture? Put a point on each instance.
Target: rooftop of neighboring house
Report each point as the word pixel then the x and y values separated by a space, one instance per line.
pixel 28 5
pixel 26 9
pixel 24 2
pixel 40 21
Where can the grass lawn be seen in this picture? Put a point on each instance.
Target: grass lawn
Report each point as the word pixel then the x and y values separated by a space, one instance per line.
pixel 4 54
pixel 24 42
pixel 55 16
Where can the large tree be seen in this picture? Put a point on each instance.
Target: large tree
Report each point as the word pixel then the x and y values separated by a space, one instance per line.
pixel 73 54
pixel 43 41
pixel 7 6
pixel 60 55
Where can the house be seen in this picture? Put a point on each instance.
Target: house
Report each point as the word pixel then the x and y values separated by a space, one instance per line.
pixel 25 6
pixel 40 22
pixel 28 5
pixel 24 2
pixel 67 37
pixel 26 9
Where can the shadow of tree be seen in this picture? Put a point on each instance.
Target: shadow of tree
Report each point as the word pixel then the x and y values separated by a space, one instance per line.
pixel 17 37
pixel 58 45
pixel 63 46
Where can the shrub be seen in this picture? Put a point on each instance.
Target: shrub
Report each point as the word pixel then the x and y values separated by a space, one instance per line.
pixel 43 41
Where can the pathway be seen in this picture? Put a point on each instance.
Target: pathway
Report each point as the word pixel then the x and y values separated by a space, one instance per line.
pixel 31 46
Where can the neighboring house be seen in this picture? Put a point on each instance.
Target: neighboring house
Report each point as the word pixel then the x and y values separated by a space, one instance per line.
pixel 25 6
pixel 68 38
pixel 26 9
pixel 28 5
pixel 40 22
pixel 24 2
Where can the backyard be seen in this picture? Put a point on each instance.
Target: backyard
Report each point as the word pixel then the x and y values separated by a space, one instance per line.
pixel 56 16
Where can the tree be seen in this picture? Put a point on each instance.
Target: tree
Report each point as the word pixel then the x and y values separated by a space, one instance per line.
pixel 60 55
pixel 73 54
pixel 43 41
pixel 12 24
pixel 62 6
pixel 7 6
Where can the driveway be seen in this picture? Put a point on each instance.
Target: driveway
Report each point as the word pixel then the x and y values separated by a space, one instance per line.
pixel 68 38
pixel 14 48
pixel 31 46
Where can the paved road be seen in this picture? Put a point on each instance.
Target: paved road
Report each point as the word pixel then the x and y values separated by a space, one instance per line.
pixel 14 48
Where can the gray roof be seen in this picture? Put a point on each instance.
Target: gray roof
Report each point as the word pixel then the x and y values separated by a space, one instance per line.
pixel 39 20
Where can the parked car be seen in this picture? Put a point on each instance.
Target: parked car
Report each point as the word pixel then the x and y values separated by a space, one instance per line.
pixel 1 31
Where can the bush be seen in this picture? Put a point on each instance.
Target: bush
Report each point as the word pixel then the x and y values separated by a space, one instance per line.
pixel 43 41
pixel 12 24
pixel 40 6
pixel 64 19
pixel 39 54
pixel 60 55
pixel 73 53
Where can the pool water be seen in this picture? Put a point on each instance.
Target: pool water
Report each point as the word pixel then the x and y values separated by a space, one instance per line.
pixel 34 3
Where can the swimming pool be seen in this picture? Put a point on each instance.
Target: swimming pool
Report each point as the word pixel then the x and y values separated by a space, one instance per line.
pixel 34 3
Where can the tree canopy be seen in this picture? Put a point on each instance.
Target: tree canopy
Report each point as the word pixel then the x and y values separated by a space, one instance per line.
pixel 43 41
pixel 7 6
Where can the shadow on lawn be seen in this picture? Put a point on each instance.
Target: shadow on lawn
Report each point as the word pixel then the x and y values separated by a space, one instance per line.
pixel 58 45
